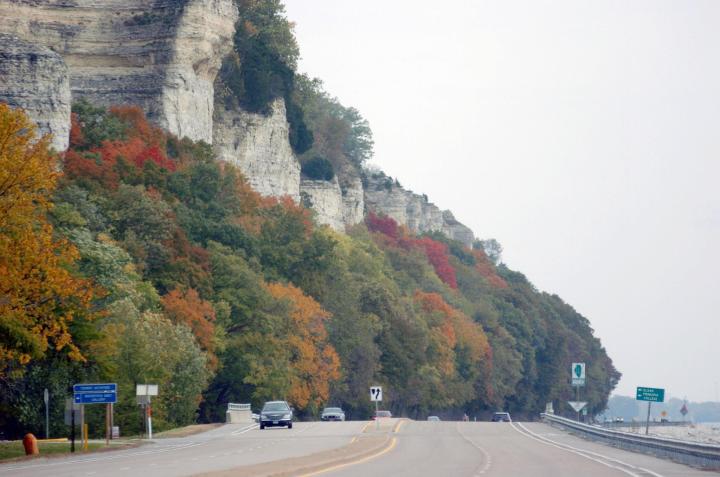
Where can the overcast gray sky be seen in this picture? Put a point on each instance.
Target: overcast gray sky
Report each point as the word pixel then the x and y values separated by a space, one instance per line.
pixel 583 135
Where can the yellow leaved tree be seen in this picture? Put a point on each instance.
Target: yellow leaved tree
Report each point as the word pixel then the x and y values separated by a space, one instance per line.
pixel 39 297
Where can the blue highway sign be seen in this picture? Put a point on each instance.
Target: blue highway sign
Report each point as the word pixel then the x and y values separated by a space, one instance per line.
pixel 95 388
pixel 104 393
pixel 95 398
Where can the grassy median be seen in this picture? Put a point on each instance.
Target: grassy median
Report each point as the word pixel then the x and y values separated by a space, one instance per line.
pixel 14 449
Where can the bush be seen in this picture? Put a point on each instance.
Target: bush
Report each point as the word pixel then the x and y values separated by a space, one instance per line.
pixel 318 168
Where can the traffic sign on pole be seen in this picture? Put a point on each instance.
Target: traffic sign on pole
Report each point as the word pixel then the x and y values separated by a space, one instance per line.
pixel 577 405
pixel 95 393
pixel 376 393
pixel 577 372
pixel 650 394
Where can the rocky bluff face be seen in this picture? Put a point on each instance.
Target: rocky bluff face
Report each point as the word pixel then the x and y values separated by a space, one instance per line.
pixel 164 56
pixel 35 78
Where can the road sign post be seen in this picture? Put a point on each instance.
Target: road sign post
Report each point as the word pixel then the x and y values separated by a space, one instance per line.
pixel 46 398
pixel 650 395
pixel 577 375
pixel 100 393
pixel 376 396
pixel 144 393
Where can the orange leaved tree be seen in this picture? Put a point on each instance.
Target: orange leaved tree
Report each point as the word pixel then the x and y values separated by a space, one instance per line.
pixel 313 360
pixel 39 297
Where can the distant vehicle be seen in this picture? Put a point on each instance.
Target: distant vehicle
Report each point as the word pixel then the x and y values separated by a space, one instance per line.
pixel 332 414
pixel 619 419
pixel 276 413
pixel 433 418
pixel 380 414
pixel 501 417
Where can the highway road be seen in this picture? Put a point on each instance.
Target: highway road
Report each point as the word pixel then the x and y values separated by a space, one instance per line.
pixel 355 449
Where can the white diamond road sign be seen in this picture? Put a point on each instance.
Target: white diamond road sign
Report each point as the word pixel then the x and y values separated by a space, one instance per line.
pixel 578 374
pixel 375 393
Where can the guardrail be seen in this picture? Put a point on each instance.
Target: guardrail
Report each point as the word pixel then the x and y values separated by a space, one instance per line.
pixel 637 424
pixel 705 456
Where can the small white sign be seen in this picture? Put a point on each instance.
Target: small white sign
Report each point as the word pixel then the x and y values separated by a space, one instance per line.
pixel 375 393
pixel 146 389
pixel 577 405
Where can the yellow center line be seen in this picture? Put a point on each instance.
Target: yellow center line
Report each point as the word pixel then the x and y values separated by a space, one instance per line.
pixel 387 449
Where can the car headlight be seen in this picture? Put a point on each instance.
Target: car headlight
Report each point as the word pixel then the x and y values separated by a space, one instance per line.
pixel 287 416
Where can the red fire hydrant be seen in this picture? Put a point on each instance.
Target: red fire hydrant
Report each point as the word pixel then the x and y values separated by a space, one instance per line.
pixel 30 444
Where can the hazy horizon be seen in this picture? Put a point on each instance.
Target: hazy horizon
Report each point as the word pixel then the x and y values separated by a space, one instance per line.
pixel 580 135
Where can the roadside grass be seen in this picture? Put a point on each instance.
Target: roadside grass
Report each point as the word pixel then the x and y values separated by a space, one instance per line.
pixel 15 449
pixel 186 431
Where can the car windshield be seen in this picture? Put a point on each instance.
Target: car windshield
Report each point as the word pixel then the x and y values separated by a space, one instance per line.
pixel 384 414
pixel 501 414
pixel 275 406
pixel 332 409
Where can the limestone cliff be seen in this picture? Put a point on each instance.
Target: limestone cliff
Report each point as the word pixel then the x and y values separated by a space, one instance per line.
pixel 35 79
pixel 383 195
pixel 325 199
pixel 353 199
pixel 162 55
pixel 259 145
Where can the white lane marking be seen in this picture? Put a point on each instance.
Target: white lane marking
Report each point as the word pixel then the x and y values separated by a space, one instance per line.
pixel 570 449
pixel 487 460
pixel 642 469
pixel 244 430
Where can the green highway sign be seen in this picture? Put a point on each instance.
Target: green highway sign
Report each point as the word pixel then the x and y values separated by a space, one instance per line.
pixel 650 394
pixel 577 371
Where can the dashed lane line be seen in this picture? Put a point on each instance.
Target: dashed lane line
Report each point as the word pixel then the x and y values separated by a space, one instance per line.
pixel 244 430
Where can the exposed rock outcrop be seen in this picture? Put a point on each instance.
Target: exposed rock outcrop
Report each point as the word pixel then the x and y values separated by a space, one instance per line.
pixel 162 55
pixel 35 79
pixel 325 198
pixel 383 195
pixel 259 145
pixel 457 231
pixel 353 201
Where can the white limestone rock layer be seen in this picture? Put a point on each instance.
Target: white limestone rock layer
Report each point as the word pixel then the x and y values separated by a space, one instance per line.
pixel 259 145
pixel 325 199
pixel 414 211
pixel 35 78
pixel 162 55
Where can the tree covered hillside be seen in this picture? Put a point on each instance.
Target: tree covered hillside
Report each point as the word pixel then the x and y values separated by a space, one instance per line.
pixel 175 271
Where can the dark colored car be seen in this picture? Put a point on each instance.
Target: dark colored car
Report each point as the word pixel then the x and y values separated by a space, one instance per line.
pixel 501 417
pixel 380 414
pixel 276 413
pixel 332 414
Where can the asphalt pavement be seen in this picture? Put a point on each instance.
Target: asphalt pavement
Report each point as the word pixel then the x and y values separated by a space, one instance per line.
pixel 399 448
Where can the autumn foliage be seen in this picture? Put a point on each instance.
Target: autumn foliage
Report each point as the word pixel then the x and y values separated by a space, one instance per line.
pixel 436 252
pixel 487 270
pixel 39 296
pixel 188 308
pixel 314 362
